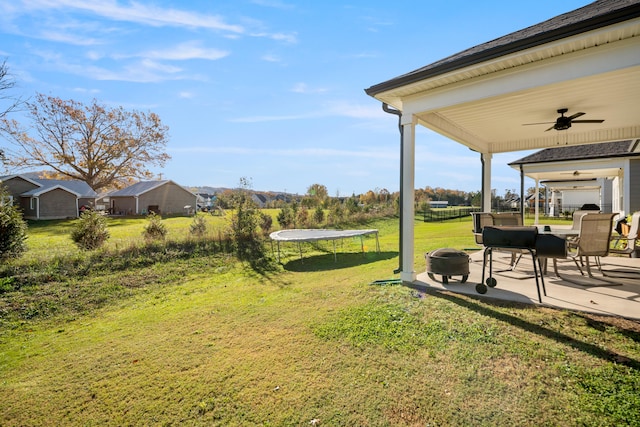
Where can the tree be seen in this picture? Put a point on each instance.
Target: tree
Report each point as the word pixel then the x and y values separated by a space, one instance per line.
pixel 318 192
pixel 9 103
pixel 105 147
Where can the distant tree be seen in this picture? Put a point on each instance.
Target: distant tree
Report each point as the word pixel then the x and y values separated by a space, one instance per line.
pixel 319 193
pixel 105 147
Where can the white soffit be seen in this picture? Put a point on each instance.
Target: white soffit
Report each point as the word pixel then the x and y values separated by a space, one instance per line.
pixel 485 106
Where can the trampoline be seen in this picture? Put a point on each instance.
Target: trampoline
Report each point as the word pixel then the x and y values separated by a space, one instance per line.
pixel 312 235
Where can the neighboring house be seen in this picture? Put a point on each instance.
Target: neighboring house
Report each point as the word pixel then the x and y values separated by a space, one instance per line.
pixel 605 174
pixel 259 199
pixel 49 198
pixel 163 197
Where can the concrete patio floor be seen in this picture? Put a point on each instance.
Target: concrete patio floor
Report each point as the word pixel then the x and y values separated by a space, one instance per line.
pixel 614 296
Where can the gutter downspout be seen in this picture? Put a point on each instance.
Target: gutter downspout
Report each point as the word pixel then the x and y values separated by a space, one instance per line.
pixel 398 113
pixel 522 193
pixel 482 184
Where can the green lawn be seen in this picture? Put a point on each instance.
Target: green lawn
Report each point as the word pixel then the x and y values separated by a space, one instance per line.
pixel 201 339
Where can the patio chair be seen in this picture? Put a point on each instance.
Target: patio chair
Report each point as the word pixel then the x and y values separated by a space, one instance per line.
pixel 504 219
pixel 622 244
pixel 594 241
pixel 480 220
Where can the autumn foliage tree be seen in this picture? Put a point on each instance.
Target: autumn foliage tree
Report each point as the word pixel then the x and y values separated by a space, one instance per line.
pixel 105 147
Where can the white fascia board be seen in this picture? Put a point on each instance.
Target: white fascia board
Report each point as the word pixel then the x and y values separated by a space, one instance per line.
pixel 597 60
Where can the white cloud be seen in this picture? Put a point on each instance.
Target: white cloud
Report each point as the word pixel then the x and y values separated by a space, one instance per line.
pixel 276 4
pixel 138 13
pixel 304 88
pixel 186 51
pixel 270 58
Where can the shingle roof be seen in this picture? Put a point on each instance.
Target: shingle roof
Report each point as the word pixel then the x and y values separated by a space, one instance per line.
pixel 582 152
pixel 595 15
pixel 79 188
pixel 138 188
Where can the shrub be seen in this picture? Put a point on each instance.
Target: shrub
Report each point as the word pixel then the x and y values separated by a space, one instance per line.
pixel 285 217
pixel 90 232
pixel 318 215
pixel 155 228
pixel 265 223
pixel 13 230
pixel 198 227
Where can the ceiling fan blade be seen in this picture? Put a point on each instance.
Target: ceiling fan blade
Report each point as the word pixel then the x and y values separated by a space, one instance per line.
pixel 587 121
pixel 576 115
pixel 541 123
pixel 552 127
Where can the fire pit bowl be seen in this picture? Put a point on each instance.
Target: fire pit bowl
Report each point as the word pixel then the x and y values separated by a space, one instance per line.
pixel 447 262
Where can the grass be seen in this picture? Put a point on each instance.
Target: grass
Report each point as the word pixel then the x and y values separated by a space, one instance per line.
pixel 200 339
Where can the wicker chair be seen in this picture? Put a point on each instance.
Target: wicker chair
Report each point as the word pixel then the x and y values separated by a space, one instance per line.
pixel 629 241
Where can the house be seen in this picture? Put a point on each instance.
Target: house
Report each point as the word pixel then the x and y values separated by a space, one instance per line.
pixel 49 198
pixel 163 197
pixel 574 175
pixel 569 80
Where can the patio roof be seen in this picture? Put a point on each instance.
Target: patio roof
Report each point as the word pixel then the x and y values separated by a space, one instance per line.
pixel 579 162
pixel 503 95
pixel 586 60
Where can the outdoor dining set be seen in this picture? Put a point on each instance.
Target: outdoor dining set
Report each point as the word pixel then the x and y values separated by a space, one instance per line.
pixel 590 237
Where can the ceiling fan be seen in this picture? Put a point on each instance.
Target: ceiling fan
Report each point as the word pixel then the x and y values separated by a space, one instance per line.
pixel 563 123
pixel 576 173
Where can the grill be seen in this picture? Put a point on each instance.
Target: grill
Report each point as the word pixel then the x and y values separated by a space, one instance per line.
pixel 520 239
pixel 447 262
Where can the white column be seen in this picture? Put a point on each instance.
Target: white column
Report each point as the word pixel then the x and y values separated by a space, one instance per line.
pixel 408 273
pixel 625 190
pixel 536 197
pixel 486 179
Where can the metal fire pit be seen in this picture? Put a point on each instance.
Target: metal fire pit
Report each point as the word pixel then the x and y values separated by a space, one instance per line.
pixel 447 262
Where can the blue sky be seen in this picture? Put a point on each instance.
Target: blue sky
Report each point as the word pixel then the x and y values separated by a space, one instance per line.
pixel 270 90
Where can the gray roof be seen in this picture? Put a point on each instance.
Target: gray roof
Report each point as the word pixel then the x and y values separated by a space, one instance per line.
pixel 140 188
pixel 80 188
pixel 603 150
pixel 595 15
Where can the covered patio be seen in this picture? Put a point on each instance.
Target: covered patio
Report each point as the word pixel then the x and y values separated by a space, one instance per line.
pixel 571 80
pixel 617 294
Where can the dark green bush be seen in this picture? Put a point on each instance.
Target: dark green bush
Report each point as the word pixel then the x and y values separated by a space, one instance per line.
pixel 155 228
pixel 90 232
pixel 198 227
pixel 13 230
